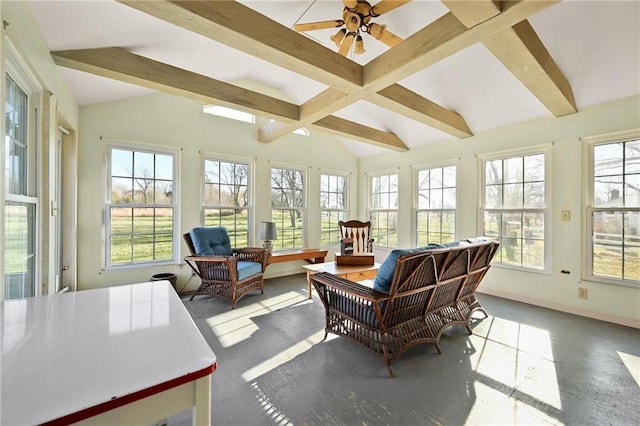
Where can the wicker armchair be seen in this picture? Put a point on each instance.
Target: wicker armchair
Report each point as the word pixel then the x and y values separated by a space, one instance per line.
pixel 360 232
pixel 431 290
pixel 230 276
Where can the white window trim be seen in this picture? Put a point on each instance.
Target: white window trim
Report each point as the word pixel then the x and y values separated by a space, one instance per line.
pixel 305 192
pixel 346 176
pixel 369 176
pixel 588 144
pixel 16 66
pixel 251 163
pixel 110 143
pixel 502 155
pixel 415 186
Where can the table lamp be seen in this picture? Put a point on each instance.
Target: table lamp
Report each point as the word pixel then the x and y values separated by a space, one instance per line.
pixel 268 233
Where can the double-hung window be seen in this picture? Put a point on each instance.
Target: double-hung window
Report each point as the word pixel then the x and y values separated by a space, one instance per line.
pixel 141 210
pixel 383 209
pixel 226 200
pixel 515 209
pixel 613 209
pixel 333 207
pixel 21 201
pixel 436 205
pixel 288 206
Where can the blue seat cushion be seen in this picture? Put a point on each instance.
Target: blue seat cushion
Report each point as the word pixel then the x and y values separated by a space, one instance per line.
pixel 211 241
pixel 247 269
pixel 385 273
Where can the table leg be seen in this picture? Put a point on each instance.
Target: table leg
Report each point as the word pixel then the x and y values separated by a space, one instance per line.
pixel 309 284
pixel 202 406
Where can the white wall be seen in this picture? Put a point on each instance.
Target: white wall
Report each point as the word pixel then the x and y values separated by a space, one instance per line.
pixel 556 290
pixel 173 121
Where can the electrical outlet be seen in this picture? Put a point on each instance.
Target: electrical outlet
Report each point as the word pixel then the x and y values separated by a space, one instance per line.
pixel 566 214
pixel 583 293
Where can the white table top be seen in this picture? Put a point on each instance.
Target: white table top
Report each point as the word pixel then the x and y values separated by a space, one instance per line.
pixel 68 352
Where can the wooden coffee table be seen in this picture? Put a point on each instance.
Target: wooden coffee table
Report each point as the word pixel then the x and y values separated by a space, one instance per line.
pixel 351 273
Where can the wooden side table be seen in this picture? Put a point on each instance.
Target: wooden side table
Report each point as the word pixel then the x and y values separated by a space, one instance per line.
pixel 351 273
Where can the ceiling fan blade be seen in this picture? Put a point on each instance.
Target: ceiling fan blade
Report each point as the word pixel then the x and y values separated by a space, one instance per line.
pixel 320 25
pixel 385 6
pixel 345 47
pixel 381 33
pixel 350 4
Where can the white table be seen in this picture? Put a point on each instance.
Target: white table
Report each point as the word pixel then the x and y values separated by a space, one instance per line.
pixel 120 355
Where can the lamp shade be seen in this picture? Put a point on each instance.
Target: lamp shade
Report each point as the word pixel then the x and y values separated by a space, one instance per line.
pixel 268 231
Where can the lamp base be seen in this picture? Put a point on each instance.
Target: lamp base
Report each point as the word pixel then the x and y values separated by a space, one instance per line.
pixel 267 245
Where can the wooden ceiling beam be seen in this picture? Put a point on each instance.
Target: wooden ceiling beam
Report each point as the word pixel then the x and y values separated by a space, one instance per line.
pixel 119 64
pixel 437 41
pixel 244 29
pixel 520 50
pixel 340 127
pixel 473 12
pixel 403 101
pixel 122 65
pixel 441 39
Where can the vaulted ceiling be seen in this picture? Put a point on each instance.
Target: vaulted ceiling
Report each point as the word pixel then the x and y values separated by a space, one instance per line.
pixel 463 67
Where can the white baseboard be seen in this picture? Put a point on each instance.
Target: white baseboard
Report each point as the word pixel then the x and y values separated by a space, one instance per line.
pixel 563 308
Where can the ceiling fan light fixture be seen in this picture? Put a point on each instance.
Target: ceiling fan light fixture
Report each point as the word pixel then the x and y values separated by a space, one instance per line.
pixel 338 37
pixel 359 45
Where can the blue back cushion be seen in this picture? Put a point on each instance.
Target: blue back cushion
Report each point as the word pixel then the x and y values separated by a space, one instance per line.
pixel 385 273
pixel 211 241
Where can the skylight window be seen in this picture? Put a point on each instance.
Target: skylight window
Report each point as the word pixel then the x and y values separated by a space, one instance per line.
pixel 231 113
pixel 302 131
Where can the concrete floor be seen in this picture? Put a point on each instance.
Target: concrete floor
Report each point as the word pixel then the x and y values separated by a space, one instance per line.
pixel 522 365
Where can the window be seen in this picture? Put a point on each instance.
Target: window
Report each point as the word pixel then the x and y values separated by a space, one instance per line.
pixel 436 212
pixel 383 209
pixel 614 211
pixel 287 206
pixel 515 209
pixel 231 113
pixel 141 209
pixel 333 207
pixel 21 202
pixel 226 198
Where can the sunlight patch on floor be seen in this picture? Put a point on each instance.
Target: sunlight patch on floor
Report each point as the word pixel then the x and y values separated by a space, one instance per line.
pixel 283 357
pixel 492 407
pixel 632 363
pixel 518 356
pixel 275 415
pixel 236 325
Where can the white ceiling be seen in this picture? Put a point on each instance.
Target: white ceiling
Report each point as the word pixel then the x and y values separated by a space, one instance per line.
pixel 596 44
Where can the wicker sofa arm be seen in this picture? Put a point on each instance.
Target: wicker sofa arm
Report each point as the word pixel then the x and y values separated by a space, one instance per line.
pixel 351 299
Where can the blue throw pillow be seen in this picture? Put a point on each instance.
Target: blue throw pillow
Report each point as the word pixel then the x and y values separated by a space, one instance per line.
pixel 211 241
pixel 385 273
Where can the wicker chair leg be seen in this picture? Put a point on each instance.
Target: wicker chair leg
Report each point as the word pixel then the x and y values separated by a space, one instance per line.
pixel 194 294
pixel 469 330
pixel 438 348
pixel 390 371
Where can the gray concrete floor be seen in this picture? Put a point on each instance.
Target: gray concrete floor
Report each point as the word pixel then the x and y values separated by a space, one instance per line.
pixel 522 365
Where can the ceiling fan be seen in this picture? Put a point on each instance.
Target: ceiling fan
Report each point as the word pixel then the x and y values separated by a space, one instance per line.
pixel 356 19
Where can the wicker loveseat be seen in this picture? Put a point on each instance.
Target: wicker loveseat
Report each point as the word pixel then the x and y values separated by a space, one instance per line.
pixel 430 289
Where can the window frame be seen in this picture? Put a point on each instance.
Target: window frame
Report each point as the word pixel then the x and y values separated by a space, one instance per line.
pixel 371 210
pixel 416 199
pixel 344 211
pixel 544 149
pixel 277 245
pixel 19 72
pixel 588 144
pixel 250 163
pixel 135 146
